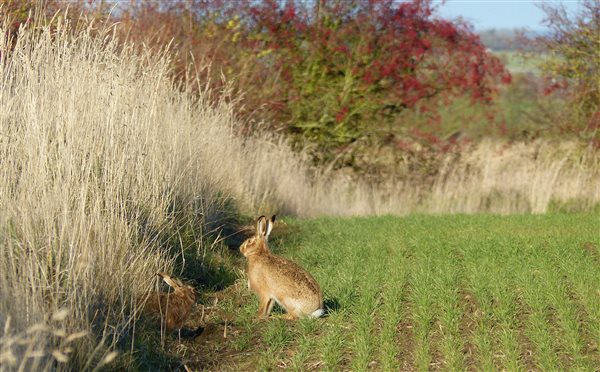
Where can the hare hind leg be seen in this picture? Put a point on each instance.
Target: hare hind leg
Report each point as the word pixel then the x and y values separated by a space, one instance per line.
pixel 290 316
pixel 291 313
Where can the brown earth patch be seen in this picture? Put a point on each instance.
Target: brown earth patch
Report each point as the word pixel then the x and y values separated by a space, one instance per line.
pixel 214 347
pixel 552 318
pixel 468 326
pixel 592 251
pixel 405 340
pixel 217 347
pixel 525 345
pixel 405 337
pixel 437 362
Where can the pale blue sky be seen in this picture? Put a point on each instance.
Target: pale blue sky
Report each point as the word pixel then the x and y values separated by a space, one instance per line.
pixel 486 14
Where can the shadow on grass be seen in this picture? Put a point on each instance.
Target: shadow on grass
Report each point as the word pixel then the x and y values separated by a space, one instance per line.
pixel 148 352
pixel 331 305
pixel 201 242
pixel 205 246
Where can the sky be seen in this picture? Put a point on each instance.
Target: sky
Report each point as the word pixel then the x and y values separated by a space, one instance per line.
pixel 500 14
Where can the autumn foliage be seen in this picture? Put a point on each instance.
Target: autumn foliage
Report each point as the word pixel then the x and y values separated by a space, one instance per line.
pixel 334 75
pixel 572 65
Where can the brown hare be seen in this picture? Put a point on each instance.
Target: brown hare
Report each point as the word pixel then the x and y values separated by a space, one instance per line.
pixel 276 279
pixel 173 308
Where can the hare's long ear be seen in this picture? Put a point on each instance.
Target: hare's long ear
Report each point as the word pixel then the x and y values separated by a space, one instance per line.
pixel 170 281
pixel 270 224
pixel 261 225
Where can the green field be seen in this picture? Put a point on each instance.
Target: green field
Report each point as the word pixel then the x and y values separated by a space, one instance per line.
pixel 422 292
pixel 517 63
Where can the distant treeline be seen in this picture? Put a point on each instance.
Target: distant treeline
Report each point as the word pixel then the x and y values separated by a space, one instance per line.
pixel 508 39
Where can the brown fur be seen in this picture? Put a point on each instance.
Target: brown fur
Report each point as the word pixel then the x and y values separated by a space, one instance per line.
pixel 275 278
pixel 173 308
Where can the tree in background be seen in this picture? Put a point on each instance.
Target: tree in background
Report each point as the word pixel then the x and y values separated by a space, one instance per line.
pixel 573 64
pixel 351 68
pixel 335 76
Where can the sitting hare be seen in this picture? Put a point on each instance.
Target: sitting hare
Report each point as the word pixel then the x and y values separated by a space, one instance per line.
pixel 173 308
pixel 274 278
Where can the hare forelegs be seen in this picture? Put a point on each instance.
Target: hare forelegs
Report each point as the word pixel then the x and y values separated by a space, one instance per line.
pixel 265 306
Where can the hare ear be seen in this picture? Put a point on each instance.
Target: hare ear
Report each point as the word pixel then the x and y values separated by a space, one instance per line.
pixel 261 226
pixel 170 281
pixel 270 224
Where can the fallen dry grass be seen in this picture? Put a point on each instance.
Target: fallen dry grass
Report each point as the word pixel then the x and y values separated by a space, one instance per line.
pixel 101 154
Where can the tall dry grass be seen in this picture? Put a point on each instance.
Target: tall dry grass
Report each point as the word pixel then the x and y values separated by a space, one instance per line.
pixel 100 153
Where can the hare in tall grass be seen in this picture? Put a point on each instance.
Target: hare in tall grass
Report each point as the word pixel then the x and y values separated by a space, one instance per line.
pixel 276 279
pixel 173 308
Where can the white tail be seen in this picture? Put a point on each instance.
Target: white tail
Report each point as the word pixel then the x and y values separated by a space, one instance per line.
pixel 317 313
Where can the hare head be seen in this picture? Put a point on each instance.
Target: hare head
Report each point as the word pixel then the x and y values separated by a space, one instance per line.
pixel 180 290
pixel 258 243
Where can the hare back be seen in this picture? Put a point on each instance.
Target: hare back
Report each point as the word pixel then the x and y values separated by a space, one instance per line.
pixel 175 309
pixel 282 278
